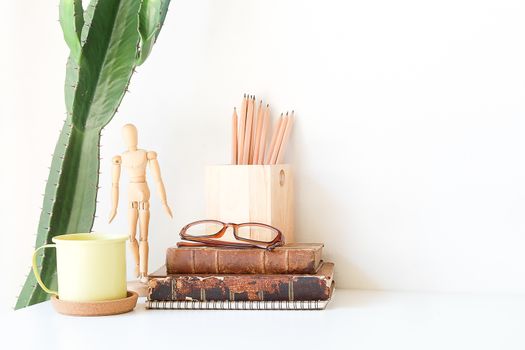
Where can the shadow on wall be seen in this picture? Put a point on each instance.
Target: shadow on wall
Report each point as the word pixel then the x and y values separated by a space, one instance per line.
pixel 319 217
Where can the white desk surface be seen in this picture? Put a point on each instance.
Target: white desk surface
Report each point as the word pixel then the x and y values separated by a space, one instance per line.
pixel 353 320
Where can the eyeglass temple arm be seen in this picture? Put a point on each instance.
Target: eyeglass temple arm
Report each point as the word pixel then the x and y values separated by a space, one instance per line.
pixel 223 245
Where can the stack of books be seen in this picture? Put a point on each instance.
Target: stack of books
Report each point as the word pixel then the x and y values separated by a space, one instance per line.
pixel 292 277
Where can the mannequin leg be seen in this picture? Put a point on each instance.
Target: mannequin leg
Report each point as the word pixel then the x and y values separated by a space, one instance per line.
pixel 133 216
pixel 144 248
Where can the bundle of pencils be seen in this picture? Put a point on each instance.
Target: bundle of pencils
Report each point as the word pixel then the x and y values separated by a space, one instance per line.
pixel 250 131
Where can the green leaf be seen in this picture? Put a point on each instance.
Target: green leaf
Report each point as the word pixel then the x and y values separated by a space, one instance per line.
pixel 108 60
pixel 69 202
pixel 51 223
pixel 152 16
pixel 72 20
pixel 88 18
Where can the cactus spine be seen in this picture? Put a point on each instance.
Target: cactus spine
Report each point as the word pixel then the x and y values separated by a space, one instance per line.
pixel 107 41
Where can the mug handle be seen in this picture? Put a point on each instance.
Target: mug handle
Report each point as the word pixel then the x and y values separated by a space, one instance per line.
pixel 37 274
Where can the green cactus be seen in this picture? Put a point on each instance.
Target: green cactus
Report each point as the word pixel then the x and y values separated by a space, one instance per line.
pixel 107 41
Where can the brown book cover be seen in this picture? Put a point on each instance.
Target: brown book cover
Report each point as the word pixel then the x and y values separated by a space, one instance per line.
pixel 294 258
pixel 239 305
pixel 239 287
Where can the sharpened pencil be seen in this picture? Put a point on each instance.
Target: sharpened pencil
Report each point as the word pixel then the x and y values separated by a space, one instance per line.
pixel 258 130
pixel 286 137
pixel 262 142
pixel 279 140
pixel 254 131
pixel 234 136
pixel 248 131
pixel 242 127
pixel 274 139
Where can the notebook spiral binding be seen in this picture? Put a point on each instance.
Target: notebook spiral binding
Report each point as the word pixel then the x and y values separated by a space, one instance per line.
pixel 236 305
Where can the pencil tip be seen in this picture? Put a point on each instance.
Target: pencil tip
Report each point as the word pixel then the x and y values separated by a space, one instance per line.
pixel 286 113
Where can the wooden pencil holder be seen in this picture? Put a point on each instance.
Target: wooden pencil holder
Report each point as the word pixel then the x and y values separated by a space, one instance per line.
pixel 252 193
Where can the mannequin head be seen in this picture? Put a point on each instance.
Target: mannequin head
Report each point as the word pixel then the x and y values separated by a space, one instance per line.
pixel 129 133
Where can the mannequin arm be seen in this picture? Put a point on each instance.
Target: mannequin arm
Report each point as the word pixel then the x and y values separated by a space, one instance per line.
pixel 117 160
pixel 155 171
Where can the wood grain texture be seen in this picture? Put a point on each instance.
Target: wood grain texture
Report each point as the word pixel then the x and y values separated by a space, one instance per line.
pixel 252 193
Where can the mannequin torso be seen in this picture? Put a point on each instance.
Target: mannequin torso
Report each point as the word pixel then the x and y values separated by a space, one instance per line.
pixel 135 163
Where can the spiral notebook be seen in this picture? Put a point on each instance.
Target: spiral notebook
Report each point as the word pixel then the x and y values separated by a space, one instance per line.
pixel 237 305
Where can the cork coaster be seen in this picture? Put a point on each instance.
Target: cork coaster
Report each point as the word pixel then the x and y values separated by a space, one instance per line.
pixel 95 308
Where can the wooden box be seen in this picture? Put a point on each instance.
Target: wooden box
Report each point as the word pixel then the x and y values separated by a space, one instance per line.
pixel 252 193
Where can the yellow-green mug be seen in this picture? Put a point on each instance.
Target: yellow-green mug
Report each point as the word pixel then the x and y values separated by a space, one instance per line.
pixel 90 267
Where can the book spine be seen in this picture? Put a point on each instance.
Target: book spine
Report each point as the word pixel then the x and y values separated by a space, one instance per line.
pixel 240 288
pixel 246 261
pixel 237 305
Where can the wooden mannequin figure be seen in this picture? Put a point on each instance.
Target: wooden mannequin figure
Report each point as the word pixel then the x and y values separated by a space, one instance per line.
pixel 135 160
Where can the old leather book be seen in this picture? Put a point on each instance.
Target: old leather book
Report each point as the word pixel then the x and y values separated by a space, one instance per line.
pixel 298 258
pixel 238 305
pixel 241 287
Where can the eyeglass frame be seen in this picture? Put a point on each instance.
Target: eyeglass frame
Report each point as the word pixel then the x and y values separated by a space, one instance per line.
pixel 212 241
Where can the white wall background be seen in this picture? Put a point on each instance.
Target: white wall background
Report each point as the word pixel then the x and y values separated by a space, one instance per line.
pixel 408 144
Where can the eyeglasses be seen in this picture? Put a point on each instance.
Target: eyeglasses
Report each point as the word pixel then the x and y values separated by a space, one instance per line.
pixel 246 235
